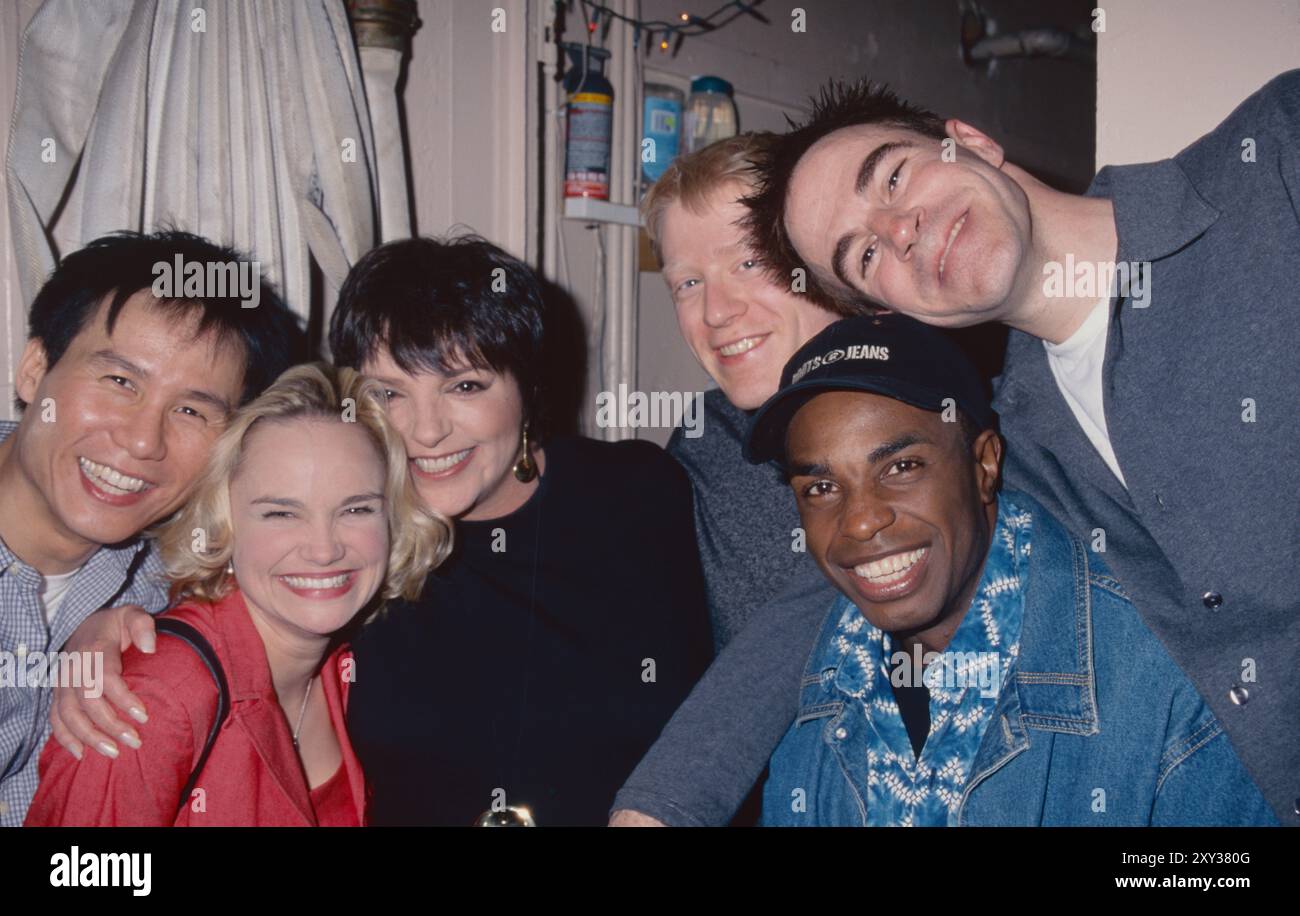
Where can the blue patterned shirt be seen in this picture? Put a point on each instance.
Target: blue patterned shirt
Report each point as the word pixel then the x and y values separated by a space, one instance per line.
pixel 128 573
pixel 964 683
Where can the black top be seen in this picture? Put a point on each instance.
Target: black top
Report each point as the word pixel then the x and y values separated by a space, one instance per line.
pixel 913 701
pixel 914 709
pixel 545 655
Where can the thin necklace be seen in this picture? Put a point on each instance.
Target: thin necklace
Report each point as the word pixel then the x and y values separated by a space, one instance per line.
pixel 303 712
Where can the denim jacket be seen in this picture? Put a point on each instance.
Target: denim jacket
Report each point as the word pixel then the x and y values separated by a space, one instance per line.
pixel 1095 726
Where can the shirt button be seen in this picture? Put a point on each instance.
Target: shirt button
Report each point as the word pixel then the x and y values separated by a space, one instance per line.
pixel 4 807
pixel 1297 805
pixel 21 650
pixel 841 733
pixel 1239 695
pixel 1212 600
pixel 12 569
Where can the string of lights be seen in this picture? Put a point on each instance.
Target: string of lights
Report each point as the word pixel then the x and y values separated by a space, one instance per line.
pixel 669 33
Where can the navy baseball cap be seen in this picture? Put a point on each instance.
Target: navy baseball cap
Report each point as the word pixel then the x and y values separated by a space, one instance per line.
pixel 885 354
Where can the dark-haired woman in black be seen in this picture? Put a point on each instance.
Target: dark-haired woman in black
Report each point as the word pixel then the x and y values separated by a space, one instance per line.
pixel 544 657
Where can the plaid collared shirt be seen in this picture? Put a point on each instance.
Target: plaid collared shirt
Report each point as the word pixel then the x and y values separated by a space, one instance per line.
pixel 128 573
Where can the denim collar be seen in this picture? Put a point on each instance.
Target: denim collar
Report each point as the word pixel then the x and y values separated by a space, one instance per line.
pixel 1054 685
pixel 1054 681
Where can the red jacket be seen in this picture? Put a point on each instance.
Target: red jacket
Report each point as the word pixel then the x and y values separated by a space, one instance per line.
pixel 253 776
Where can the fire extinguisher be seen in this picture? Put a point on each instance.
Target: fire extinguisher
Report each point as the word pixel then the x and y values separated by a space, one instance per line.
pixel 589 122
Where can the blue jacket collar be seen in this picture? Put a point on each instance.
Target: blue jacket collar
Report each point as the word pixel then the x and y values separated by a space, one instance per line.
pixel 1054 687
pixel 1157 209
pixel 1055 682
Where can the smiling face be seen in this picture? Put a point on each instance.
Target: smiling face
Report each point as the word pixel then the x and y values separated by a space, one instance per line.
pixel 131 418
pixel 877 211
pixel 742 327
pixel 462 433
pixel 308 524
pixel 897 510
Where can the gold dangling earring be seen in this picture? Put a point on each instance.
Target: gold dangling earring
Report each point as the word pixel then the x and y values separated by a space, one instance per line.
pixel 525 467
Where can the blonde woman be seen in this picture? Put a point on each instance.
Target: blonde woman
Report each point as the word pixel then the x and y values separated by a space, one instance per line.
pixel 303 523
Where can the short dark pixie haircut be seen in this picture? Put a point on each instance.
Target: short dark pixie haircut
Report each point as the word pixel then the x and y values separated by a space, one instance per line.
pixel 117 266
pixel 838 105
pixel 437 305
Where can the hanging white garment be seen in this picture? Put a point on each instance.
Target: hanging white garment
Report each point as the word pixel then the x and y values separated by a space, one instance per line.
pixel 382 68
pixel 244 121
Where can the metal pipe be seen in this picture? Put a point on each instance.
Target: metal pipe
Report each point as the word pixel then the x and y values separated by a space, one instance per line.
pixel 1031 43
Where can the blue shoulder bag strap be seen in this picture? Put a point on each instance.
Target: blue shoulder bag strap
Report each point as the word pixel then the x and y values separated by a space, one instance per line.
pixel 199 644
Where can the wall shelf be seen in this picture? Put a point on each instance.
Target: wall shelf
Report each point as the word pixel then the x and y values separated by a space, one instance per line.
pixel 600 211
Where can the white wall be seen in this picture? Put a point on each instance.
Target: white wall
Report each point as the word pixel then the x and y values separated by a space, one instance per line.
pixel 465 102
pixel 1169 72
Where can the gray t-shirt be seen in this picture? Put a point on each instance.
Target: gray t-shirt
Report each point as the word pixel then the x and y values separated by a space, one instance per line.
pixel 745 518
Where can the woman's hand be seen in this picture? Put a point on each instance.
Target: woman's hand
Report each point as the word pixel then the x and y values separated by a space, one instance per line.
pixel 77 719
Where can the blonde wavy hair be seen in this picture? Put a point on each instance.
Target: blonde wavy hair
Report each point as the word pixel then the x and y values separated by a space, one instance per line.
pixel 419 538
pixel 692 179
